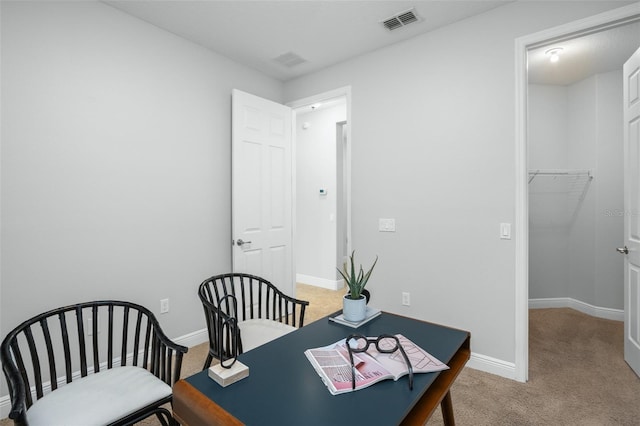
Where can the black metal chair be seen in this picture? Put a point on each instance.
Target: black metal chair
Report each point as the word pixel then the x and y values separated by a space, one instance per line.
pixel 263 313
pixel 129 377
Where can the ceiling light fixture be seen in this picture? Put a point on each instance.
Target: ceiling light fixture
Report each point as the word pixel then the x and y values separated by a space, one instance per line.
pixel 554 54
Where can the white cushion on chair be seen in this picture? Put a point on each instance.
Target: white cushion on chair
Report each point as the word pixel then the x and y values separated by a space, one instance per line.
pixel 256 332
pixel 98 399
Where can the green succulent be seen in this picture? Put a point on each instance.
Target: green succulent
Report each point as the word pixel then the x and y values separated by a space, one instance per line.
pixel 355 282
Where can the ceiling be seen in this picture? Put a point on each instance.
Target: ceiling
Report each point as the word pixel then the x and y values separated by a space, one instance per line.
pixel 324 33
pixel 584 56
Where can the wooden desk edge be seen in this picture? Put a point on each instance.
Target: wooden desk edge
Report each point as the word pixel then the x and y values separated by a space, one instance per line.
pixel 192 408
pixel 439 390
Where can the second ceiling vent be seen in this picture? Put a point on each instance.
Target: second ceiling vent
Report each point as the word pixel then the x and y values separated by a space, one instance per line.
pixel 401 19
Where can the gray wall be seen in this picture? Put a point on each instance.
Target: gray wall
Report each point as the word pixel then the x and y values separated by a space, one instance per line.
pixel 433 147
pixel 595 142
pixel 115 162
pixel 548 215
pixel 609 278
pixel 572 242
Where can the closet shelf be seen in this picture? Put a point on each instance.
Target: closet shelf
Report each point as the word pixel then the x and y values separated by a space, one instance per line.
pixel 560 172
pixel 567 186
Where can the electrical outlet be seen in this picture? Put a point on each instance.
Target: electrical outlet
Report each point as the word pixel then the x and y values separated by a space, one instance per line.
pixel 164 306
pixel 406 299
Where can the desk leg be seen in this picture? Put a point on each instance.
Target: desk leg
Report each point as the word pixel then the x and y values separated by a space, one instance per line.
pixel 447 410
pixel 438 392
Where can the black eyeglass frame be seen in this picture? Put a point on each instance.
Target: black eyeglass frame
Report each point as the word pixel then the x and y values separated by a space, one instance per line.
pixel 376 342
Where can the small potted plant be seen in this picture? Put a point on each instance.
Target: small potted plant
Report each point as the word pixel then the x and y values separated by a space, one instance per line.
pixel 354 303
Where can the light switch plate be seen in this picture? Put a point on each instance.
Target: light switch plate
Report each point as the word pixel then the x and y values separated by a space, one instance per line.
pixel 387 225
pixel 505 231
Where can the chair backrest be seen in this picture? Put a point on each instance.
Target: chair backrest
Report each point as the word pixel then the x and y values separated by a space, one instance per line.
pixel 82 339
pixel 256 298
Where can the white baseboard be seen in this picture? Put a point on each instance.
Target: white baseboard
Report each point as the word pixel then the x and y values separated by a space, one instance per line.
pixel 320 282
pixel 492 365
pixel 189 340
pixel 585 308
pixel 193 339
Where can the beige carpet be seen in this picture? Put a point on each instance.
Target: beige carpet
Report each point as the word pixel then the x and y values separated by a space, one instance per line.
pixel 577 375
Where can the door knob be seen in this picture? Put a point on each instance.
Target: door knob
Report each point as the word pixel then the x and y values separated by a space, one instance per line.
pixel 623 250
pixel 241 243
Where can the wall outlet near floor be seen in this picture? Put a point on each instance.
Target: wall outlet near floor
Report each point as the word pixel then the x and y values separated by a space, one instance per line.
pixel 164 306
pixel 406 299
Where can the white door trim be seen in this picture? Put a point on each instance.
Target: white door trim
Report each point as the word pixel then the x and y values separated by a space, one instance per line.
pixel 310 100
pixel 567 31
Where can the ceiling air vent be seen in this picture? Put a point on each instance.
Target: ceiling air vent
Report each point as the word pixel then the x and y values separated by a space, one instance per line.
pixel 289 59
pixel 401 19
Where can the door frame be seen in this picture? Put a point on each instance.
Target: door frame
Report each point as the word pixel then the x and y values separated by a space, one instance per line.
pixel 593 24
pixel 344 91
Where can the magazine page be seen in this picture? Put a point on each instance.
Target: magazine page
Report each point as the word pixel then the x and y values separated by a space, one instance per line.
pixel 333 365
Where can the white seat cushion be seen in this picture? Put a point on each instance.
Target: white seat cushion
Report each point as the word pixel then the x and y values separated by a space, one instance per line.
pixel 257 332
pixel 98 399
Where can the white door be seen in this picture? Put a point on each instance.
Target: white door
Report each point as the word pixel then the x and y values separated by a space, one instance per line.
pixel 632 212
pixel 261 162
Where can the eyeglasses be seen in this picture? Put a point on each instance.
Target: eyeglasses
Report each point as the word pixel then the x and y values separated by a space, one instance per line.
pixel 385 343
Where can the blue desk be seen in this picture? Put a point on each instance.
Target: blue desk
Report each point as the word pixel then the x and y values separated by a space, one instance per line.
pixel 284 389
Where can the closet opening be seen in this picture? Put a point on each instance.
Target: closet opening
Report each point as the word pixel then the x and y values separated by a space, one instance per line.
pixel 575 161
pixel 575 173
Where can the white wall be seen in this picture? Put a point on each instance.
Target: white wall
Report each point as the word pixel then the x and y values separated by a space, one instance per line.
pixel 609 278
pixel 572 252
pixel 316 220
pixel 548 216
pixel 115 162
pixel 596 142
pixel 581 154
pixel 433 147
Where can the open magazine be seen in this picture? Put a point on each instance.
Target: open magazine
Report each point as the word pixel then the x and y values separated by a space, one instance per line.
pixel 334 368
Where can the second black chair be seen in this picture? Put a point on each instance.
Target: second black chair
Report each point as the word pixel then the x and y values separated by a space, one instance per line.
pixel 264 313
pixel 104 362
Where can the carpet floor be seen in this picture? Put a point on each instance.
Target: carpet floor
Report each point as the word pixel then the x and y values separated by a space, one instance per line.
pixel 577 374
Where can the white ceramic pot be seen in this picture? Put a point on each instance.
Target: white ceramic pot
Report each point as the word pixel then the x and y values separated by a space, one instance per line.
pixel 354 310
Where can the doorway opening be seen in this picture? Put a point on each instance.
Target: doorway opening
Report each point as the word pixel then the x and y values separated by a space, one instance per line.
pixel 322 182
pixel 575 172
pixel 524 47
